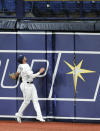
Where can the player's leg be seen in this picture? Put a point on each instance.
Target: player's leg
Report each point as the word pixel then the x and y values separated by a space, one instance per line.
pixel 36 104
pixel 27 97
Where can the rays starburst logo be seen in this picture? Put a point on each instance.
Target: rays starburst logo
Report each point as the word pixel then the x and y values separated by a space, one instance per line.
pixel 76 71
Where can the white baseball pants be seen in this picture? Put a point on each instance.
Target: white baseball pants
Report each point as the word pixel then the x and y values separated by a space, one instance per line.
pixel 29 93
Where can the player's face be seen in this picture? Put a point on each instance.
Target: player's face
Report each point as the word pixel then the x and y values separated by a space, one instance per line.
pixel 24 59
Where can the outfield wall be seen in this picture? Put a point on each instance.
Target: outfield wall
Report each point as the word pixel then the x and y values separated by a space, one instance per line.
pixel 56 88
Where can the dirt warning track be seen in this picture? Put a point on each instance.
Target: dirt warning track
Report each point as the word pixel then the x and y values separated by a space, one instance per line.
pixel 47 126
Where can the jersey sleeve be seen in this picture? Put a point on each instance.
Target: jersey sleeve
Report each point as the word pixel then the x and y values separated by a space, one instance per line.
pixel 36 74
pixel 19 69
pixel 33 75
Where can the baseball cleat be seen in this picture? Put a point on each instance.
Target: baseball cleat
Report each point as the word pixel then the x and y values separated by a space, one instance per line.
pixel 40 119
pixel 18 117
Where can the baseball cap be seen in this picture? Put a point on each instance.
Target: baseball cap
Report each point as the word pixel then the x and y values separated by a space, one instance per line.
pixel 20 58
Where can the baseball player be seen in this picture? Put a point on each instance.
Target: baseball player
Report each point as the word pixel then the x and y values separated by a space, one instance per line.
pixel 27 87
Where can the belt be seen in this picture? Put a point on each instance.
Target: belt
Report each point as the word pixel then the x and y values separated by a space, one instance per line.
pixel 29 82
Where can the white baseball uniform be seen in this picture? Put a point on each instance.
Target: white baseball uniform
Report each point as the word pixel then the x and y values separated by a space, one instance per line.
pixel 28 89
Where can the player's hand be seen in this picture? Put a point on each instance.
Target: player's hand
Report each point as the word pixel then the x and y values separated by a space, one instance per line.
pixel 12 76
pixel 42 70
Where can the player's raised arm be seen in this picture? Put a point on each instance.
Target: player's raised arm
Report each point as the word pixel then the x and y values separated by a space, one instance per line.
pixel 38 73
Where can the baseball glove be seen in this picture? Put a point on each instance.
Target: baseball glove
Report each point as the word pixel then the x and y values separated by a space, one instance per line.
pixel 12 76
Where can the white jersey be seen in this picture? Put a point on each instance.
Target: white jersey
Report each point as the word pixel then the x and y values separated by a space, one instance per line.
pixel 26 73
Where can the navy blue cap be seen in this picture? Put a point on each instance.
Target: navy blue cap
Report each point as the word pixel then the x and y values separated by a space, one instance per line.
pixel 20 58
